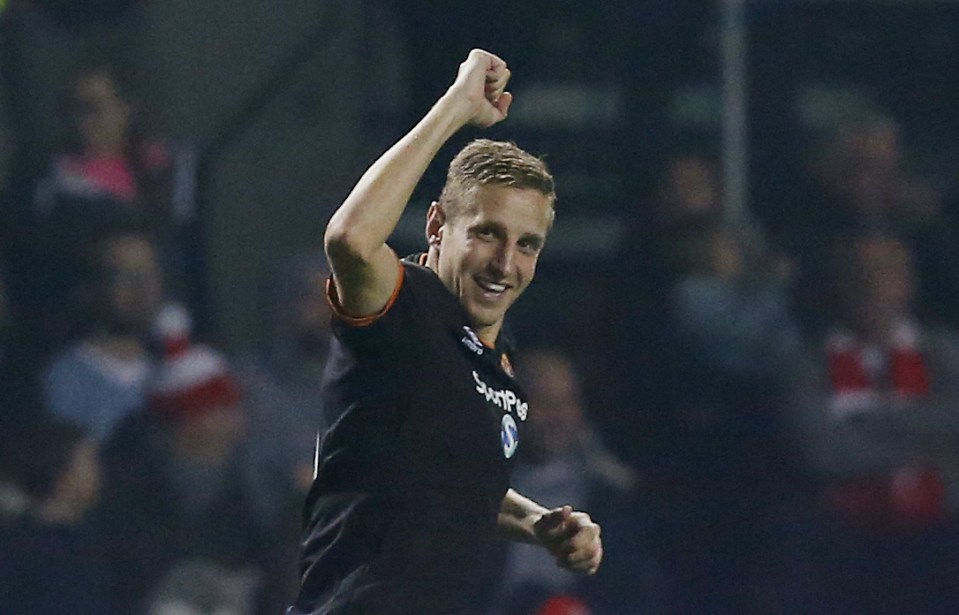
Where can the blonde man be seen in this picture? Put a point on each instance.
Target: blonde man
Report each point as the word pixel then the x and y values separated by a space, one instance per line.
pixel 412 483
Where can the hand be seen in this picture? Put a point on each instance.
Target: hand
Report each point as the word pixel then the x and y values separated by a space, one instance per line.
pixel 481 82
pixel 572 537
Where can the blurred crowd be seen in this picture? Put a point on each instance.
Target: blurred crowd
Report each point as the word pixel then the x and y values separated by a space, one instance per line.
pixel 762 414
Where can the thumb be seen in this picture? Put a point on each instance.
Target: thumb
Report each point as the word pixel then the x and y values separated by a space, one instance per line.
pixel 553 523
pixel 503 102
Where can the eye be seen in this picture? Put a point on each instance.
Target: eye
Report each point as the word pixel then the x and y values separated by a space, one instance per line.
pixel 485 233
pixel 529 246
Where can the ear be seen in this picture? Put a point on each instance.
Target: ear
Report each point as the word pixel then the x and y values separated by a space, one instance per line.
pixel 435 220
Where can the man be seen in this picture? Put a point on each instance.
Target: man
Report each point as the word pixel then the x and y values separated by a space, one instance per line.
pixel 412 480
pixel 876 415
pixel 101 378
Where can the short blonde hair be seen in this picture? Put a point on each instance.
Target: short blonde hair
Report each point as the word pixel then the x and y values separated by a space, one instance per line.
pixel 486 162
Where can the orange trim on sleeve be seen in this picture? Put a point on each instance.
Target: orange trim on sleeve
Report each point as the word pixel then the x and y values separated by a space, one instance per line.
pixel 362 321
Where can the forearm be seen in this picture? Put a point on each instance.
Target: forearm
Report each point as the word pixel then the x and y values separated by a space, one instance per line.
pixel 362 224
pixel 517 516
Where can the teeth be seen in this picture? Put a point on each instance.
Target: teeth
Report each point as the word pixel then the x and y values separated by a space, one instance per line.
pixel 496 288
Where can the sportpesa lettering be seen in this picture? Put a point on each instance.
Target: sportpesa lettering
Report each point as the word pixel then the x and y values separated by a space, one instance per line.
pixel 502 398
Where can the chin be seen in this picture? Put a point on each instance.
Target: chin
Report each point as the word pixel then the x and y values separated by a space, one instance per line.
pixel 483 318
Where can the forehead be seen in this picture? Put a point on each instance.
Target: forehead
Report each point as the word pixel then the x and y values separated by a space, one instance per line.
pixel 519 210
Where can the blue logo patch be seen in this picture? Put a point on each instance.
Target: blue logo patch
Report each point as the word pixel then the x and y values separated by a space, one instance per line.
pixel 510 436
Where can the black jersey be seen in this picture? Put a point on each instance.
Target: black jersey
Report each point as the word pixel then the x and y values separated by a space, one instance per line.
pixel 412 473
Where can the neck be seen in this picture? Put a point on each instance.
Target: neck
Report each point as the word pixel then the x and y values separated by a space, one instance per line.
pixel 488 335
pixel 105 148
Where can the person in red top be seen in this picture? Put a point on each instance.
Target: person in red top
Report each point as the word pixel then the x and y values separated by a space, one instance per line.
pixel 878 409
pixel 412 478
pixel 107 153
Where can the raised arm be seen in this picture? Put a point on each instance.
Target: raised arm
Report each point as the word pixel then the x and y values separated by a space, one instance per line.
pixel 364 268
pixel 572 537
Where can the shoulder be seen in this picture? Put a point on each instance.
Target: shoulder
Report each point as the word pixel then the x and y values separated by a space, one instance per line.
pixel 67 364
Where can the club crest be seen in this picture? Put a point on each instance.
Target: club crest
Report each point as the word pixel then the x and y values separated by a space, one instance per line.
pixel 510 436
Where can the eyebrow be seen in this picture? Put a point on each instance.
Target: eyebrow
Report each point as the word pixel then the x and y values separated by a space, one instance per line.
pixel 488 225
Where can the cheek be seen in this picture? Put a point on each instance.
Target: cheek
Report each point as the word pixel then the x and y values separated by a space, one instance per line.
pixel 527 268
pixel 462 260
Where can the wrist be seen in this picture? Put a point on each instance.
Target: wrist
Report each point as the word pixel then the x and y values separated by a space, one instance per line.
pixel 457 109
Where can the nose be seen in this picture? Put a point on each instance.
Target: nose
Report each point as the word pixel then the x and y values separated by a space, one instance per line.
pixel 504 261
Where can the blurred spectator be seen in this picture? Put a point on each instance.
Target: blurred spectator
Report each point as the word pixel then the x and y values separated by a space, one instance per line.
pixel 282 392
pixel 42 40
pixel 716 459
pixel 858 179
pixel 176 489
pixel 107 151
pixel 562 460
pixel 106 171
pixel 862 170
pixel 687 197
pixel 49 563
pixel 689 191
pixel 282 384
pixel 728 311
pixel 702 335
pixel 101 377
pixel 877 411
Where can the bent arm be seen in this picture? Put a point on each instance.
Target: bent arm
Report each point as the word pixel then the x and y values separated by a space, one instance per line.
pixel 571 537
pixel 364 267
pixel 517 518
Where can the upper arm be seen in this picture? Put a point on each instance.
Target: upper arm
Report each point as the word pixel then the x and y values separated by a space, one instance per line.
pixel 364 284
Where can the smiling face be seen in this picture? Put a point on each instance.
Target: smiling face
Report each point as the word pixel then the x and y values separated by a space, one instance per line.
pixel 486 254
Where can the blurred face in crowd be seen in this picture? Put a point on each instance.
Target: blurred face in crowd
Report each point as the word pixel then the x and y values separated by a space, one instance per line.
pixel 487 253
pixel 101 115
pixel 861 163
pixel 881 287
pixel 556 408
pixel 129 285
pixel 691 188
